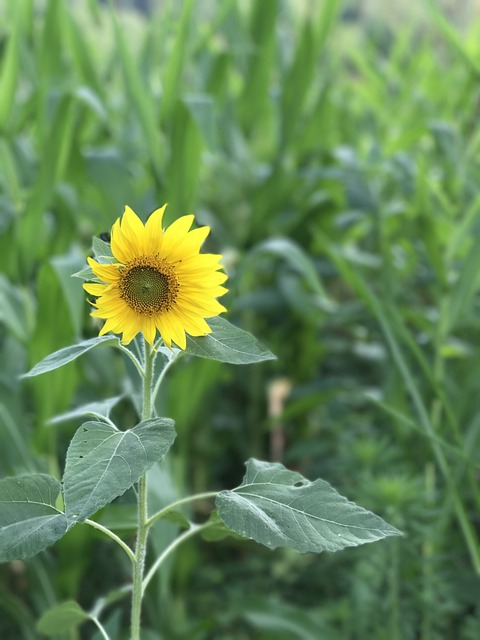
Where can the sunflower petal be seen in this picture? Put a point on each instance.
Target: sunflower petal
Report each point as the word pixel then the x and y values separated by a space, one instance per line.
pixel 106 272
pixel 175 235
pixel 154 232
pixel 95 289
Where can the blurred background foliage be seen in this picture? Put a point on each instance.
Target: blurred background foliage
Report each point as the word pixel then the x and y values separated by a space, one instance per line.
pixel 333 148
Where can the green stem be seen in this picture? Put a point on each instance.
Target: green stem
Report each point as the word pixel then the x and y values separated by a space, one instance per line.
pixel 113 536
pixel 100 627
pixel 142 529
pixel 163 512
pixel 194 529
pixel 132 357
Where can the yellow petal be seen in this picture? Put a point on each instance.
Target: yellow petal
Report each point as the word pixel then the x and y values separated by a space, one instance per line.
pixel 95 289
pixel 149 329
pixel 121 248
pixel 154 232
pixel 164 330
pixel 175 234
pixel 133 229
pixel 192 324
pixel 106 272
pixel 190 245
pixel 201 262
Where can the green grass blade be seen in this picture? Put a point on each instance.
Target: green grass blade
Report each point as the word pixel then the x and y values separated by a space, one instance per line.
pixel 453 37
pixel 174 67
pixel 357 282
pixel 8 79
pixel 140 99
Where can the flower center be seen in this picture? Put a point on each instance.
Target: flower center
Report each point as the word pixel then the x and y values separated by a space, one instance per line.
pixel 148 285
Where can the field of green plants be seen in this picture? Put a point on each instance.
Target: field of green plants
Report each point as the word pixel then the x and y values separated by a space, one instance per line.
pixel 334 150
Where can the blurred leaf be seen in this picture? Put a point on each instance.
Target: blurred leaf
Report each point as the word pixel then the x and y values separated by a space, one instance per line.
pixel 277 507
pixel 29 521
pixel 32 237
pixel 286 621
pixel 255 100
pixel 73 293
pixel 297 259
pixel 8 78
pixel 217 530
pixel 177 517
pixel 119 516
pixel 183 170
pixel 455 40
pixel 102 251
pixel 202 109
pixel 16 309
pixel 465 288
pixel 102 462
pixel 175 62
pixel 227 343
pixel 64 617
pixel 140 98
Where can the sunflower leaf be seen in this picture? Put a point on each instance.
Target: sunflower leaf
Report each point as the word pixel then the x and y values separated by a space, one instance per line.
pixel 29 521
pixel 102 462
pixel 227 343
pixel 102 251
pixel 100 409
pixel 63 356
pixel 280 508
pixel 62 618
pixel 87 274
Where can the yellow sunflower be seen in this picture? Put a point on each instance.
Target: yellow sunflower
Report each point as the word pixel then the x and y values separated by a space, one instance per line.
pixel 160 280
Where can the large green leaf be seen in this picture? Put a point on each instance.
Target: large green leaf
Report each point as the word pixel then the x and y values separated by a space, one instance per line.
pixel 102 462
pixel 227 343
pixel 277 507
pixel 63 356
pixel 29 521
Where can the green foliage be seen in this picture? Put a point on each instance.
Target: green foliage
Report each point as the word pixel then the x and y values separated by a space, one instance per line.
pixel 29 520
pixel 345 132
pixel 227 343
pixel 102 462
pixel 277 507
pixel 63 356
pixel 64 617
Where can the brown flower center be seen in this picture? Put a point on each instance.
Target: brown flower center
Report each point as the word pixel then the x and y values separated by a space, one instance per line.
pixel 148 285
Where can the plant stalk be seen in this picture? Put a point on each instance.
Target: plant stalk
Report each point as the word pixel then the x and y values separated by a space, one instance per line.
pixel 142 528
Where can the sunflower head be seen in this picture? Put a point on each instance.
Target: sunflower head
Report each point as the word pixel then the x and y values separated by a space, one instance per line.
pixel 159 282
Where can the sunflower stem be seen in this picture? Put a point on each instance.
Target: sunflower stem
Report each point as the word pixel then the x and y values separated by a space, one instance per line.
pixel 193 530
pixel 142 529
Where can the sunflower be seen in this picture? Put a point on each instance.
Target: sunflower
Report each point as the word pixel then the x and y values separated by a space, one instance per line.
pixel 160 281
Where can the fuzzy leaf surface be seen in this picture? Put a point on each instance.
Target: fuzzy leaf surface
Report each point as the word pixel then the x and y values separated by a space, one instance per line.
pixel 29 521
pixel 102 462
pixel 280 508
pixel 227 343
pixel 100 409
pixel 63 356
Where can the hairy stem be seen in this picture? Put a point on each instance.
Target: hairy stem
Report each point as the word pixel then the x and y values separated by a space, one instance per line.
pixel 113 536
pixel 193 530
pixel 178 503
pixel 142 529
